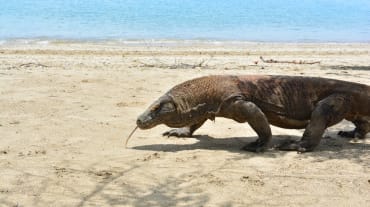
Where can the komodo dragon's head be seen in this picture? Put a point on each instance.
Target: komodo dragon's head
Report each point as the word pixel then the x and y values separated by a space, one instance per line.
pixel 162 111
pixel 185 104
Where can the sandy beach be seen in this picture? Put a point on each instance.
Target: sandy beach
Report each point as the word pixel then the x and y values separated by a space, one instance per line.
pixel 66 109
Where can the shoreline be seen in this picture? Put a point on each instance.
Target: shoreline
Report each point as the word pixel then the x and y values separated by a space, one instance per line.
pixel 165 42
pixel 181 48
pixel 327 53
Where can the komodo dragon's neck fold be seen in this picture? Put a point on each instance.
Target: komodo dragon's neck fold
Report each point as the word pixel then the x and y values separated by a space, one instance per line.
pixel 202 99
pixel 189 115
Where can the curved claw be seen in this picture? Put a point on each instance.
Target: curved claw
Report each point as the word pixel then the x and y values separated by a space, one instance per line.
pixel 256 146
pixel 299 146
pixel 177 133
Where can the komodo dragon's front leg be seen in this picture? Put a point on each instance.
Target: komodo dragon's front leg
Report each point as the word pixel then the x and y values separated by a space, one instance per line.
pixel 185 131
pixel 328 112
pixel 245 111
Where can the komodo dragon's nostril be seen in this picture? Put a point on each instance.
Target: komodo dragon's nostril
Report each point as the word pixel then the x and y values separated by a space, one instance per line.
pixel 139 122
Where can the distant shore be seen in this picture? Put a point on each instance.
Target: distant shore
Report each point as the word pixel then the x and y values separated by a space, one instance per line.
pixel 207 46
pixel 162 41
pixel 357 53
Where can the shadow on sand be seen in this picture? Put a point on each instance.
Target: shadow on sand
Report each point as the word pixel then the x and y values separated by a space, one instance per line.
pixel 331 146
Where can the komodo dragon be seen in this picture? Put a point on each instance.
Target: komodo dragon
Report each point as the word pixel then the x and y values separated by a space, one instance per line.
pixel 284 101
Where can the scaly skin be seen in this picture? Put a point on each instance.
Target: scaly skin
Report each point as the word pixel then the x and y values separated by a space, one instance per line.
pixel 284 101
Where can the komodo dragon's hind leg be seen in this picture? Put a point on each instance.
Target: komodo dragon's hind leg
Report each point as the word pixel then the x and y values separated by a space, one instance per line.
pixel 185 131
pixel 328 112
pixel 362 128
pixel 244 111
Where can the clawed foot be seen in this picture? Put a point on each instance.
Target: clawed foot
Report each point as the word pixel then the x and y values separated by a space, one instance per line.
pixel 350 134
pixel 347 134
pixel 299 146
pixel 181 132
pixel 256 146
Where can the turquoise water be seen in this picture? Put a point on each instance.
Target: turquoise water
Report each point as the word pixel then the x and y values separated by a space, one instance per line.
pixel 250 20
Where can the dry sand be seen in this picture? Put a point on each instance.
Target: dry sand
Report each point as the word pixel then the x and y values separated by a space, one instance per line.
pixel 66 109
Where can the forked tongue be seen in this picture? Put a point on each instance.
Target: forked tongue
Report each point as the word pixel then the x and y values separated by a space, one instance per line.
pixel 129 136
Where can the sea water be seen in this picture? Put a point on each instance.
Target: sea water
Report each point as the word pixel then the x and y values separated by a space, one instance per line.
pixel 245 20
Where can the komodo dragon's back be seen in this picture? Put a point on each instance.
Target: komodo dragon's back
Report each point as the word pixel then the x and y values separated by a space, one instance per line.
pixel 295 96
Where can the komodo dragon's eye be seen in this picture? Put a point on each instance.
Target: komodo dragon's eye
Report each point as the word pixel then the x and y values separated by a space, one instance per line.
pixel 168 107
